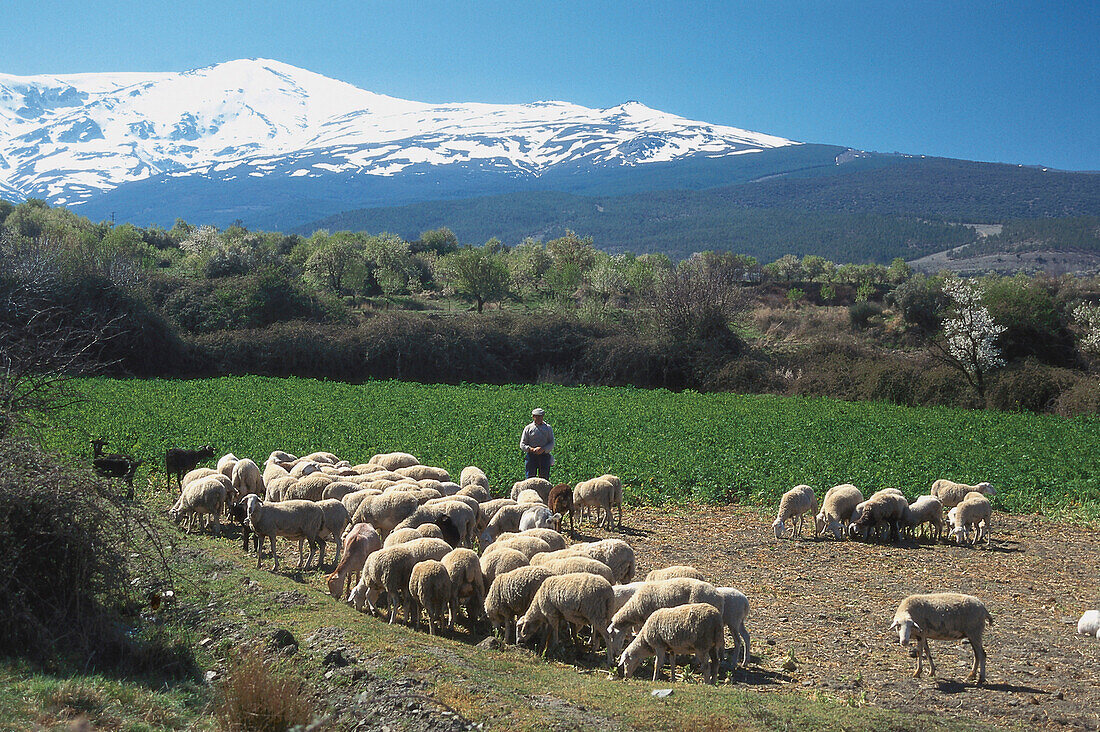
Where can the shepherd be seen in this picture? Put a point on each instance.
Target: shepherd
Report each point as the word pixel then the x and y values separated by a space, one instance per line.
pixel 537 443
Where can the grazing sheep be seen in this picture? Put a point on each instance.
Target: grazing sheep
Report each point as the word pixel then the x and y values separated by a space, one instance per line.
pixel 510 595
pixel 359 543
pixel 473 475
pixel 952 494
pixel 597 494
pixel 579 599
pixel 468 583
pixel 1089 624
pixel 488 509
pixel 225 464
pixel 309 488
pixel 504 518
pixel 501 561
pixel 943 616
pixel 529 496
pixel 281 457
pixel 884 509
pixel 394 460
pixel 278 488
pixel 615 553
pixel 652 596
pixel 401 536
pixel 336 519
pixel 539 485
pixel 272 471
pixel 388 570
pixel 385 511
pixel 199 474
pixel 528 546
pixel 616 495
pixel 623 593
pixel 539 516
pixel 679 570
pixel 478 492
pixel 430 590
pixel 178 461
pixel 424 472
pixel 925 510
pixel 326 458
pixel 574 564
pixel 338 489
pixel 290 519
pixel 450 488
pixel 836 510
pixel 974 512
pixel 795 504
pixel 551 537
pixel 247 478
pixel 303 468
pixel 352 500
pixel 561 502
pixel 458 515
pixel 735 610
pixel 695 629
pixel 203 496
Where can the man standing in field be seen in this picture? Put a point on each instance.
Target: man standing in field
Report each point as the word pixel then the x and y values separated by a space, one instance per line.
pixel 537 442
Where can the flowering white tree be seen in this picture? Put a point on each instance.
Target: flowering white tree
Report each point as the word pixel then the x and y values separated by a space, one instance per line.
pixel 969 333
pixel 1088 318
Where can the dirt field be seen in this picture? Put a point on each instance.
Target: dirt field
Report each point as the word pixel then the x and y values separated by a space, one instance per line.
pixel 831 604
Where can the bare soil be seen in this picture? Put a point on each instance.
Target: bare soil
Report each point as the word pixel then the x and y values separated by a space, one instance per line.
pixel 830 604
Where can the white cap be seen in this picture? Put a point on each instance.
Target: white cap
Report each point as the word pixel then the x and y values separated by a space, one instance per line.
pixel 537 412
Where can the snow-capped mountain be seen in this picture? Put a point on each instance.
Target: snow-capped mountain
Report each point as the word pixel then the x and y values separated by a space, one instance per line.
pixel 71 139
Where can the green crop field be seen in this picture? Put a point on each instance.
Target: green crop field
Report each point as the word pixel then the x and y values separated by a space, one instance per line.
pixel 666 446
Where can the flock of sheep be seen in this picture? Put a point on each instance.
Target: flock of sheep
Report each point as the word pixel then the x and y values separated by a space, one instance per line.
pixel 405 535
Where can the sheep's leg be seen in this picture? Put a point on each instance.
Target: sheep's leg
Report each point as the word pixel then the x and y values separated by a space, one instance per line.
pixel 321 558
pixel 658 662
pixel 217 525
pixel 746 655
pixel 920 658
pixel 274 555
pixel 978 668
pixel 931 663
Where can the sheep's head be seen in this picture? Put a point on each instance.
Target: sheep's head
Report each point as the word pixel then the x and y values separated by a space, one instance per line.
pixel 207 452
pixel 617 634
pixel 632 657
pixel 907 629
pixel 778 527
pixel 335 584
pixel 986 488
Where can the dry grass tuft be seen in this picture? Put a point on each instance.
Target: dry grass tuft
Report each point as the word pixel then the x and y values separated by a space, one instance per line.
pixel 257 698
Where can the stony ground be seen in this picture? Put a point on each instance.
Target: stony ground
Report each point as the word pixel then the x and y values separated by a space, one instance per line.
pixel 830 604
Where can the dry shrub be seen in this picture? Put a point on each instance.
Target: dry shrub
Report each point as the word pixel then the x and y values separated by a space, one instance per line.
pixel 255 697
pixel 1028 386
pixel 1081 398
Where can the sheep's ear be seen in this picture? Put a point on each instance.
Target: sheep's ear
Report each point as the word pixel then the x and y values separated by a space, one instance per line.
pixel 917 627
pixel 895 624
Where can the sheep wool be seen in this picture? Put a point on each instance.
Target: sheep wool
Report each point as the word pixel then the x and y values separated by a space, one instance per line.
pixel 943 616
pixel 688 629
pixel 795 504
pixel 579 599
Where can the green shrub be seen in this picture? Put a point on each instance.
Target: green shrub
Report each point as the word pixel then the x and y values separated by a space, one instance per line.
pixel 1028 386
pixel 863 314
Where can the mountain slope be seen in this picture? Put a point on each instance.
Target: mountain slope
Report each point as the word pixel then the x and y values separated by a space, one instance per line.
pixel 69 139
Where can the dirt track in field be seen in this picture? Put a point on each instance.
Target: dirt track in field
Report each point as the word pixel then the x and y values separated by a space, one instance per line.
pixel 831 604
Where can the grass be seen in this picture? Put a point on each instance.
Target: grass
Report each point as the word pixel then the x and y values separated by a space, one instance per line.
pixel 667 447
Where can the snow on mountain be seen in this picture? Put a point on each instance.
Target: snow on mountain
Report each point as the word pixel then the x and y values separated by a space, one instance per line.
pixel 68 138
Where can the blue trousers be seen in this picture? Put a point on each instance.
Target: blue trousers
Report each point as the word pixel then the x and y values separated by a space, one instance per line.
pixel 537 466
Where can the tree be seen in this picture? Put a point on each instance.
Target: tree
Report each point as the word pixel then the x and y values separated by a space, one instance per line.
pixel 477 272
pixel 441 241
pixel 969 334
pixel 697 300
pixel 572 249
pixel 899 271
pixel 338 263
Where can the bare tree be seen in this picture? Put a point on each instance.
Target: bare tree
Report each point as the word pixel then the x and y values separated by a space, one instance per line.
pixel 698 299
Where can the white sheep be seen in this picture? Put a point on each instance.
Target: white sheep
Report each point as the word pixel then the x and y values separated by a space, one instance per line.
pixel 308 488
pixel 529 495
pixel 687 629
pixel 886 509
pixel 468 583
pixel 597 494
pixel 500 562
pixel 943 616
pixel 539 516
pixel 336 519
pixel 578 599
pixel 290 519
pixel 247 478
pixel 273 470
pixel 385 511
pixel 424 472
pixel 402 536
pixel 305 467
pixel 735 610
pixel 488 509
pixel 394 460
pixel 473 475
pixel 226 463
pixel 574 564
pixel 510 595
pixel 836 510
pixel 795 504
pixel 616 494
pixel 952 493
pixel 974 512
pixel 338 489
pixel 539 485
pixel 550 536
pixel 678 570
pixel 360 541
pixel 615 553
pixel 623 593
pixel 430 590
pixel 478 492
pixel 277 489
pixel 652 596
pixel 1089 624
pixel 389 570
pixel 528 546
pixel 205 496
pixel 926 510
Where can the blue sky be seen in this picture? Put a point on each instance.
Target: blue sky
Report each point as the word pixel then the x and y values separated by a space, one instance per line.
pixel 1007 81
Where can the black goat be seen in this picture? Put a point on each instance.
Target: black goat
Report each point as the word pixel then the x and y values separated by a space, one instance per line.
pixel 179 461
pixel 114 465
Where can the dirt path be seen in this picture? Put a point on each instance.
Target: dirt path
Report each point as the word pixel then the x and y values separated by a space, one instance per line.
pixel 831 604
